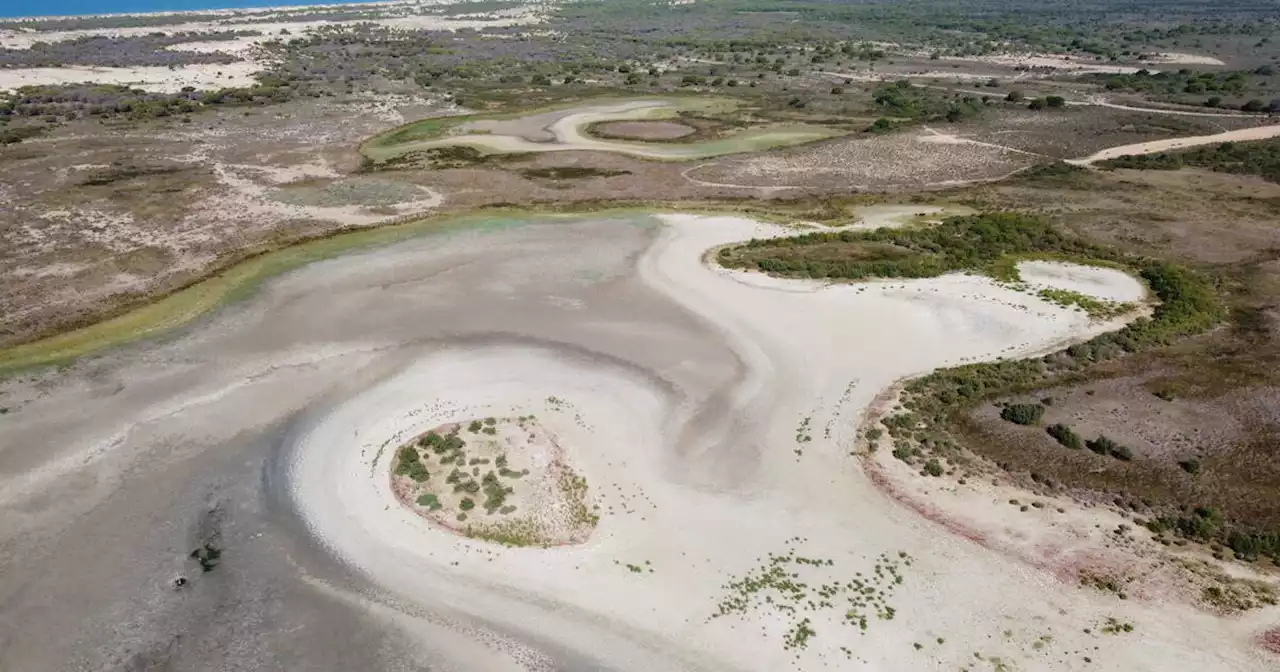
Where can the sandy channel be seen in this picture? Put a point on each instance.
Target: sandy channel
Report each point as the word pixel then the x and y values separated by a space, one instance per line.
pixel 702 488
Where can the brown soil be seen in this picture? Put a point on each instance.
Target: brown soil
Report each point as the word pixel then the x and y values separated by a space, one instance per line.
pixel 642 130
pixel 1270 641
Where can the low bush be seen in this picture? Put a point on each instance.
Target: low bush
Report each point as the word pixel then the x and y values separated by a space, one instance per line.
pixel 1022 414
pixel 1104 446
pixel 1063 435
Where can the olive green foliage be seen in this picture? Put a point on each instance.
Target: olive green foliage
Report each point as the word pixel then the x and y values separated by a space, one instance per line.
pixel 1208 525
pixel 9 136
pixel 973 242
pixel 1022 414
pixel 409 463
pixel 1260 158
pixel 792 585
pixel 902 100
pixel 1063 435
pixel 430 501
pixel 494 492
pixel 1097 308
pixel 1177 82
pixel 1105 446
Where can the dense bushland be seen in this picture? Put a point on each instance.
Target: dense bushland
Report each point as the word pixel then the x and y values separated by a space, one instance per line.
pixel 1260 158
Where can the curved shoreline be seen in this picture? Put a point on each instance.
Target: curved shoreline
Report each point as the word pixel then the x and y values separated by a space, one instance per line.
pixel 799 343
pixel 568 133
pixel 226 282
pixel 241 275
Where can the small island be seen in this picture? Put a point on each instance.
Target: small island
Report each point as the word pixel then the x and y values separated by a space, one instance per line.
pixel 505 480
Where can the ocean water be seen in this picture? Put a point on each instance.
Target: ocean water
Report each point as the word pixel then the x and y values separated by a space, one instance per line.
pixel 17 8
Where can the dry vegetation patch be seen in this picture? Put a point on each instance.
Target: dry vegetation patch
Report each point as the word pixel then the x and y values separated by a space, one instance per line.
pixel 866 162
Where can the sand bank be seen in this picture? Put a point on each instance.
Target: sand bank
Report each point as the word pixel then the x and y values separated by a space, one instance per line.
pixel 1100 283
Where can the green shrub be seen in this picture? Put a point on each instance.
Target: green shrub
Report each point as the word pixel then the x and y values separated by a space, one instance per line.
pixel 1104 446
pixel 1191 466
pixel 1101 445
pixel 1022 414
pixel 1063 435
pixel 430 501
pixel 467 504
pixel 933 467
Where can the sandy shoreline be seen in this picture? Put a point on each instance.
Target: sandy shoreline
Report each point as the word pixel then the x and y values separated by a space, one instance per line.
pixel 809 351
pixel 713 413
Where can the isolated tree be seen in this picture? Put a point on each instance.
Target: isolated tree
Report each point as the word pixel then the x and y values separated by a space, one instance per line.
pixel 1254 105
pixel 1055 101
pixel 1015 96
pixel 1036 104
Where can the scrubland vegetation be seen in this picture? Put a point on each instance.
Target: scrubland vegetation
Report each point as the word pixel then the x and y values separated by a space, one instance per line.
pixel 1261 158
pixel 922 427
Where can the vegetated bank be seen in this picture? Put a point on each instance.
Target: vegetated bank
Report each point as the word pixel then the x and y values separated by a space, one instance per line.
pixel 239 275
pixel 923 426
pixel 1260 157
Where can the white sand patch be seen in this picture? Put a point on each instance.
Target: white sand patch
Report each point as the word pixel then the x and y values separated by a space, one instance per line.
pixel 1184 59
pixel 1156 146
pixel 1060 62
pixel 12 39
pixel 240 46
pixel 149 78
pixel 707 500
pixel 1101 283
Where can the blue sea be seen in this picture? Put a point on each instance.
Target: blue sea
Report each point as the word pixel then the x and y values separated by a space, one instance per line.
pixel 15 8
